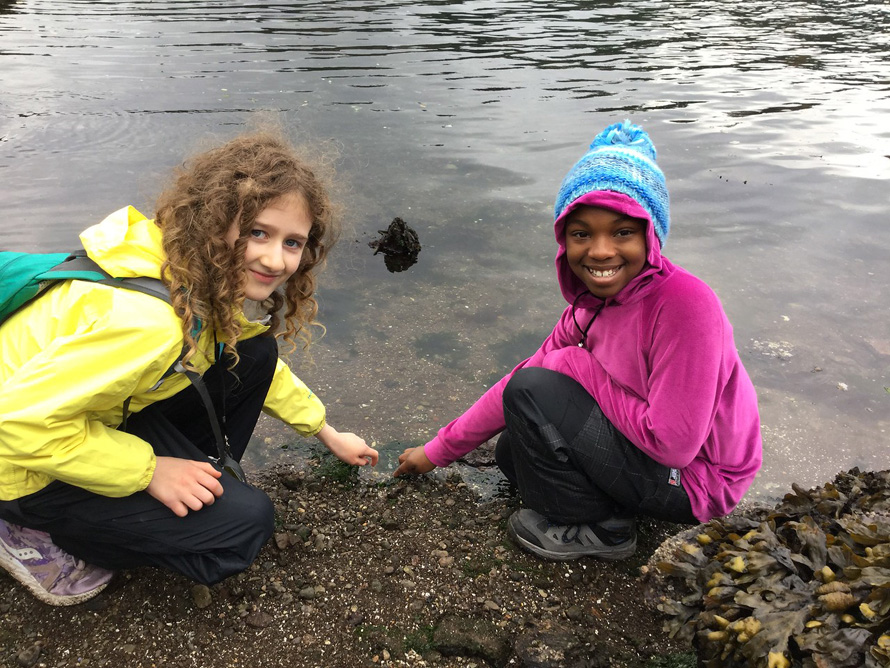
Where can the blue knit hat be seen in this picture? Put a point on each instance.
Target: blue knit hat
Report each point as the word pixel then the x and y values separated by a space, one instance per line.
pixel 621 159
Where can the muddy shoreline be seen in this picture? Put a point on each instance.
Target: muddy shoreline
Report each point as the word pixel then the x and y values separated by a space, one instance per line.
pixel 409 573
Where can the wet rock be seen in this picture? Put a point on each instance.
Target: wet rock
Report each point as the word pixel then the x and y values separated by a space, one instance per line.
pixel 472 636
pixel 29 655
pixel 291 481
pixel 201 596
pixel 388 522
pixel 399 244
pixel 259 619
pixel 481 456
pixel 575 613
pixel 556 648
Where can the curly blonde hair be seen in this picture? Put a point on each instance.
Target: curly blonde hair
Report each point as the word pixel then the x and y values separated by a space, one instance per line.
pixel 230 185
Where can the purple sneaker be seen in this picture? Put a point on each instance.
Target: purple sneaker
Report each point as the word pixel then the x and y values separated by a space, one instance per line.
pixel 50 573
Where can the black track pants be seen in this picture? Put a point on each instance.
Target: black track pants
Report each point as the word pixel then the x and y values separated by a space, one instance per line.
pixel 571 464
pixel 208 545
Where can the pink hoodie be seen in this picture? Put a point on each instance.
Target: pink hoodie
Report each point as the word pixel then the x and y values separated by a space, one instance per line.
pixel 660 361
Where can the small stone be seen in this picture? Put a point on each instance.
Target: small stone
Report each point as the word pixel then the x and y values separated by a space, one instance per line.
pixel 29 655
pixel 259 619
pixel 491 605
pixel 287 598
pixel 201 596
pixel 460 635
pixel 376 586
pixel 307 592
pixel 446 562
pixel 129 648
pixel 417 605
pixel 292 482
pixel 282 541
pixel 408 584
pixel 355 619
pixel 575 613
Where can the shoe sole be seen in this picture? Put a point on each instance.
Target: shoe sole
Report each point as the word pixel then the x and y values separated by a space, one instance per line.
pixel 15 568
pixel 613 555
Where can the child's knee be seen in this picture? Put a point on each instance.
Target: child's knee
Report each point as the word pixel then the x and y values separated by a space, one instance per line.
pixel 525 385
pixel 256 514
pixel 248 523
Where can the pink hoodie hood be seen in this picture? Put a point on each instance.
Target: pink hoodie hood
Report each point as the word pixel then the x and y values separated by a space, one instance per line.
pixel 572 286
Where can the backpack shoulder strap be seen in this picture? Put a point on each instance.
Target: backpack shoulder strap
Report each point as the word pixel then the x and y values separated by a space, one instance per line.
pixel 79 266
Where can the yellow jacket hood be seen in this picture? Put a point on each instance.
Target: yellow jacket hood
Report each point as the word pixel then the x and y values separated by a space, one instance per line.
pixel 125 244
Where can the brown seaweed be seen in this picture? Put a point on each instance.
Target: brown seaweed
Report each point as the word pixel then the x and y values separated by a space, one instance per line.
pixel 806 584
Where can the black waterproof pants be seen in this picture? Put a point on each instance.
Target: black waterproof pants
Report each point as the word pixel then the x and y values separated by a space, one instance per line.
pixel 208 545
pixel 571 464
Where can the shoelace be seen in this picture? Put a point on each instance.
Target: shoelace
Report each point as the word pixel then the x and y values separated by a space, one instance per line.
pixel 566 528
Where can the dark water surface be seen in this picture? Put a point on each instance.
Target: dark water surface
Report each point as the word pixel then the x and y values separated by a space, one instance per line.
pixel 771 121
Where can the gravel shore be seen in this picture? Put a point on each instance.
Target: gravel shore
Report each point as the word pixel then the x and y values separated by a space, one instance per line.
pixel 409 573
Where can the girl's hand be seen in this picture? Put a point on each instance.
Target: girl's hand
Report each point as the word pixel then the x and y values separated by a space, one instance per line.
pixel 347 447
pixel 184 484
pixel 413 460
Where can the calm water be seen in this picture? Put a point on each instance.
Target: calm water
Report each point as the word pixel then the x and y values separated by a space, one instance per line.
pixel 461 118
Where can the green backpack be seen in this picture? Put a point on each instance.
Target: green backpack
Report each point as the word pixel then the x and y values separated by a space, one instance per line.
pixel 23 276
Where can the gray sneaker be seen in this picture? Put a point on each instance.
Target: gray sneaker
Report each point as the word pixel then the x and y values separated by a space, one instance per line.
pixel 562 542
pixel 50 573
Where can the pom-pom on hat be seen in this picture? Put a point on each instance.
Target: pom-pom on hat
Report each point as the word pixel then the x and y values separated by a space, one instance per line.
pixel 621 159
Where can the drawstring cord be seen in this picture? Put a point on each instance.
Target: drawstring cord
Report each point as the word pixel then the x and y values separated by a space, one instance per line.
pixel 592 318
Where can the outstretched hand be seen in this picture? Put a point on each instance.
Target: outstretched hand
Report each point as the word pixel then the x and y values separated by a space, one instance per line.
pixel 413 460
pixel 184 484
pixel 347 447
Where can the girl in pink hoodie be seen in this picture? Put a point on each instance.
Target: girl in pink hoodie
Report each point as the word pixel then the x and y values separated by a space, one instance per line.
pixel 637 403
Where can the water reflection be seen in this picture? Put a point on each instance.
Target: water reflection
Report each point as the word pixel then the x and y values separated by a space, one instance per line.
pixel 462 117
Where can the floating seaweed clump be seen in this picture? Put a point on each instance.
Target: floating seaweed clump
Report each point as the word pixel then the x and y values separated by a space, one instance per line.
pixel 806 584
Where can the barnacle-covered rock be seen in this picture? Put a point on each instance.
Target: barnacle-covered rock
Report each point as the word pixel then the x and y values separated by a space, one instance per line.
pixel 803 585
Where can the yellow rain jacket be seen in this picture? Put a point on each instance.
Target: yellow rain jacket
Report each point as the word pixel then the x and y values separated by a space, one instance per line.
pixel 70 358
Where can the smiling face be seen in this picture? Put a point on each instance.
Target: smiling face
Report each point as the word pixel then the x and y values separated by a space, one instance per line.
pixel 605 249
pixel 274 245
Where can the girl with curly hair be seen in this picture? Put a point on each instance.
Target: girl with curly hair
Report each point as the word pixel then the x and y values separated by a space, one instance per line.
pixel 86 490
